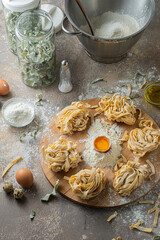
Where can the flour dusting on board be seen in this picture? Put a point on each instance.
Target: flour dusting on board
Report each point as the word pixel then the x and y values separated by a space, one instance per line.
pixel 95 158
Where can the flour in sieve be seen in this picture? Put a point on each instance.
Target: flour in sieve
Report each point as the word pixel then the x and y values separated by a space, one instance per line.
pixel 97 159
pixel 113 25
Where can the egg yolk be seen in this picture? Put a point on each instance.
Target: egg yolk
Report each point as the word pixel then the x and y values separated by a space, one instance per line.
pixel 102 144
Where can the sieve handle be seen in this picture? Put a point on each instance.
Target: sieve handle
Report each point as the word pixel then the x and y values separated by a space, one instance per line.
pixel 66 31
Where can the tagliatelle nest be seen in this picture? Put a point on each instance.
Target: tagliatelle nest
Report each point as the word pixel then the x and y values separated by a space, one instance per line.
pixel 73 118
pixel 117 108
pixel 88 183
pixel 129 177
pixel 143 140
pixel 62 155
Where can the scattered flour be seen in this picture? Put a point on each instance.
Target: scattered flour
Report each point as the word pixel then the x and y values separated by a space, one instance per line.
pixel 29 147
pixel 89 90
pixel 97 159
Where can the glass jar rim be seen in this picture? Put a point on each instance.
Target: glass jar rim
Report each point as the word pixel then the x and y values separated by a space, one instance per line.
pixel 20 35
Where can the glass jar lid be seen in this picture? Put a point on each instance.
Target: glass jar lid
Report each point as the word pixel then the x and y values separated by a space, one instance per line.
pixel 20 5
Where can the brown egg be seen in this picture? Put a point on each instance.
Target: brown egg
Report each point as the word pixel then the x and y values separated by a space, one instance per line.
pixel 24 177
pixel 4 87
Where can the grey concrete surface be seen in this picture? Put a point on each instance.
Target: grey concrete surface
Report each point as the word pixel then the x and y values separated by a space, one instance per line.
pixel 61 219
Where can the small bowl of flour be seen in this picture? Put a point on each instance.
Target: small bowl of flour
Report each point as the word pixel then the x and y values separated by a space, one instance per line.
pixel 18 112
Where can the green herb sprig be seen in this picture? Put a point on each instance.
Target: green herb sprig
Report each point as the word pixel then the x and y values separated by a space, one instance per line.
pixel 136 95
pixel 138 74
pixel 35 131
pixel 22 136
pixel 53 193
pixel 98 80
pixel 121 85
pixel 32 133
pixel 156 238
pixel 32 214
pixel 39 100
pixel 108 91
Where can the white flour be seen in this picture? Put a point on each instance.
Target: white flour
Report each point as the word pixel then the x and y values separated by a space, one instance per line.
pixel 18 112
pixel 97 159
pixel 113 25
pixel 65 87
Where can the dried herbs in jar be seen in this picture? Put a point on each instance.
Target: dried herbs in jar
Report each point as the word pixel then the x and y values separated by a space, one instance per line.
pixel 36 48
pixel 12 10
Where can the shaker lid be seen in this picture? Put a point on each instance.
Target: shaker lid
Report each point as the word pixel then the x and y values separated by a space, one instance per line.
pixel 64 64
pixel 56 15
pixel 20 5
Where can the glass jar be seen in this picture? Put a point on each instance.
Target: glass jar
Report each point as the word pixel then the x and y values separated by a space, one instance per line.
pixel 12 10
pixel 36 49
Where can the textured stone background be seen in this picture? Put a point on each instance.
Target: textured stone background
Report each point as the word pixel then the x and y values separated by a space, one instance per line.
pixel 61 218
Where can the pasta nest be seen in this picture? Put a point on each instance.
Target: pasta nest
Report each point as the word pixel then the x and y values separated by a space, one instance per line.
pixel 88 183
pixel 143 140
pixel 73 118
pixel 116 108
pixel 62 155
pixel 129 177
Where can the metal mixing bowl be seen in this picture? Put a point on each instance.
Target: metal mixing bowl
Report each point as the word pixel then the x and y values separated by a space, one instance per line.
pixel 102 49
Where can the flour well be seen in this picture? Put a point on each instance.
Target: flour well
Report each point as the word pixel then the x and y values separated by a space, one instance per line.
pixel 97 159
pixel 113 25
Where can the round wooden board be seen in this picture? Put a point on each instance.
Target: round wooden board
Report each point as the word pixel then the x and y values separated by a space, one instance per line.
pixel 108 197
